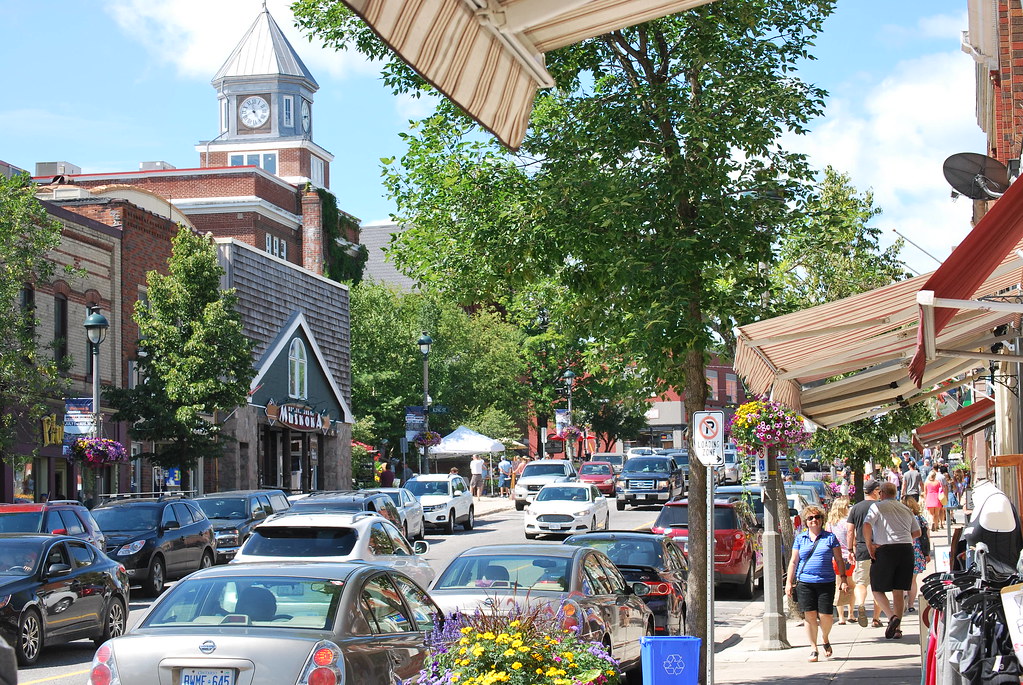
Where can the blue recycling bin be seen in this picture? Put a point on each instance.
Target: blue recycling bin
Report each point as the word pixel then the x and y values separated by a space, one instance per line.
pixel 670 660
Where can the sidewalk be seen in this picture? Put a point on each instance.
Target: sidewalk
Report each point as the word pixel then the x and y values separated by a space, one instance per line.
pixel 490 505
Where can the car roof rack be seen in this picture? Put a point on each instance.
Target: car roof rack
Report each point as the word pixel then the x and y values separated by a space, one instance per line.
pixel 62 501
pixel 159 496
pixel 356 515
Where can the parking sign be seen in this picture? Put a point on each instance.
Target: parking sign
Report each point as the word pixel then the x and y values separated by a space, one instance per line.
pixel 709 437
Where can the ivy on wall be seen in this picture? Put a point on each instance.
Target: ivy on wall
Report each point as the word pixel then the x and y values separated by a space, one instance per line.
pixel 340 264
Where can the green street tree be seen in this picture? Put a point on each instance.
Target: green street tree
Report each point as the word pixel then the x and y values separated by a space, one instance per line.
pixel 195 364
pixel 29 377
pixel 641 183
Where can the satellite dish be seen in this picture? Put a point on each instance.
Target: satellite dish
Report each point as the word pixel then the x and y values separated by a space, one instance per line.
pixel 976 176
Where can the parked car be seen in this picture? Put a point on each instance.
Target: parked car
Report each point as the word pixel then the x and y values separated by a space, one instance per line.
pixel 738 540
pixel 351 501
pixel 564 508
pixel 262 624
pixel 754 495
pixel 58 588
pixel 809 493
pixel 234 514
pixel 652 559
pixel 599 474
pixel 446 501
pixel 413 525
pixel 592 593
pixel 157 539
pixel 60 517
pixel 808 460
pixel 825 494
pixel 321 536
pixel 649 480
pixel 539 473
pixel 615 459
pixel 639 452
pixel 731 473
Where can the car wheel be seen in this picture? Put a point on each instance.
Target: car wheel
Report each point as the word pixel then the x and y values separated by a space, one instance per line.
pixel 531 536
pixel 113 626
pixel 449 527
pixel 620 504
pixel 748 586
pixel 469 522
pixel 157 576
pixel 404 530
pixel 207 560
pixel 593 524
pixel 422 531
pixel 519 505
pixel 30 638
pixel 607 521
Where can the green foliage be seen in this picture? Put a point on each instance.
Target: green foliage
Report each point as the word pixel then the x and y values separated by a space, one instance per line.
pixel 340 265
pixel 493 423
pixel 194 361
pixel 28 376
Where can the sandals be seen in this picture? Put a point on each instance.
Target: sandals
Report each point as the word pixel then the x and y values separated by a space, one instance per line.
pixel 827 649
pixel 842 622
pixel 813 656
pixel 876 623
pixel 893 627
pixel 861 616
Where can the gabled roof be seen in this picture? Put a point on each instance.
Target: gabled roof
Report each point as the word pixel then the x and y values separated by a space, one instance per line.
pixel 264 51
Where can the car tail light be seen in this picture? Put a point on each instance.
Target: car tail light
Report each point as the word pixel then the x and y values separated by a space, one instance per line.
pixel 570 619
pixel 324 666
pixel 738 540
pixel 658 589
pixel 104 668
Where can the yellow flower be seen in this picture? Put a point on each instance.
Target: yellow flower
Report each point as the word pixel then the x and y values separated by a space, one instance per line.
pixel 517 643
pixel 568 655
pixel 488 635
pixel 509 652
pixel 463 641
pixel 523 649
pixel 466 630
pixel 513 624
pixel 517 665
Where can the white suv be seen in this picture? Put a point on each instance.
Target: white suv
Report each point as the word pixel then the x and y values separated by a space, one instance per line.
pixel 446 500
pixel 538 474
pixel 323 536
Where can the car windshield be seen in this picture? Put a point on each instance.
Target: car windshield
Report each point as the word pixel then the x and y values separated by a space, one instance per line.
pixel 310 504
pixel 224 507
pixel 565 494
pixel 18 557
pixel 506 571
pixel 127 519
pixel 613 459
pixel 21 522
pixel 646 465
pixel 395 497
pixel 249 602
pixel 544 470
pixel 676 516
pixel 630 552
pixel 296 541
pixel 595 470
pixel 427 487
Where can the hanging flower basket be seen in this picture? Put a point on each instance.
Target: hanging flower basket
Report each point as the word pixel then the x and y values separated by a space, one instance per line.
pixel 764 423
pixel 571 433
pixel 427 439
pixel 97 452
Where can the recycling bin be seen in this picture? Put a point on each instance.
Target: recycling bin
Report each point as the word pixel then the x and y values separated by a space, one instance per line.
pixel 670 660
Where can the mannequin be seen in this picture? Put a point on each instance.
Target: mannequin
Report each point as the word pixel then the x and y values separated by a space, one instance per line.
pixel 996 523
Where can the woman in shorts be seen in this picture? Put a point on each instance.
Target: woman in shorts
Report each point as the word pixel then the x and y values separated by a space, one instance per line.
pixel 816 554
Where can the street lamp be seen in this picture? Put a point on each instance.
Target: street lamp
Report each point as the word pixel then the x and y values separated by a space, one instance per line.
pixel 425 342
pixel 96 326
pixel 569 378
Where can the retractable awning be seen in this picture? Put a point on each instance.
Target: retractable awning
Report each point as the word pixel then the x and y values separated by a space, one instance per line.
pixel 955 426
pixel 487 56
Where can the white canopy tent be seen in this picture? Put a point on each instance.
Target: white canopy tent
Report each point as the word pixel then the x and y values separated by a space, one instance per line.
pixel 467 441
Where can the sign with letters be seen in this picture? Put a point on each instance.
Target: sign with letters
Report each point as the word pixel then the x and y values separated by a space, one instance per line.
pixel 709 437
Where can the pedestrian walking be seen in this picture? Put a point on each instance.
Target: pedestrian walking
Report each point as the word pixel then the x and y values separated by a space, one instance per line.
pixel 925 470
pixel 846 485
pixel 815 554
pixel 921 551
pixel 895 478
pixel 387 476
pixel 912 482
pixel 889 530
pixel 504 468
pixel 946 485
pixel 838 525
pixel 861 574
pixel 932 497
pixel 476 468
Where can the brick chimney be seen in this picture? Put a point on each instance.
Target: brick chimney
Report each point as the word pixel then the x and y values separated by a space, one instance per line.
pixel 312 232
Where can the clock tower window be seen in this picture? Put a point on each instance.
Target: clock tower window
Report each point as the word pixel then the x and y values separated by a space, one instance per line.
pixel 289 111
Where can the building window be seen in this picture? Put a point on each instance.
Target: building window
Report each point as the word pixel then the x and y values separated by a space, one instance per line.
pixel 223 116
pixel 237 160
pixel 731 388
pixel 59 327
pixel 284 250
pixel 317 171
pixel 267 161
pixel 297 377
pixel 28 308
pixel 712 382
pixel 289 111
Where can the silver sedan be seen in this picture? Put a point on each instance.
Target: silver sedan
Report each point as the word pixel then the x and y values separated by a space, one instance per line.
pixel 256 624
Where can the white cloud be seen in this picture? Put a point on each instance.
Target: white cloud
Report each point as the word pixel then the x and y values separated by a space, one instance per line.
pixel 409 107
pixel 943 25
pixel 197 36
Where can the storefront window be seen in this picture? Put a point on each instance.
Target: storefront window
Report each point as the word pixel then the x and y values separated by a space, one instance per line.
pixel 297 378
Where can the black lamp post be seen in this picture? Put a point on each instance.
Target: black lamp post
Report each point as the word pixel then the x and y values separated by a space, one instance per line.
pixel 425 342
pixel 96 326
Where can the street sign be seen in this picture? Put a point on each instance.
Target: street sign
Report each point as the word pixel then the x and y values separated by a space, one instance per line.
pixel 761 470
pixel 709 437
pixel 440 409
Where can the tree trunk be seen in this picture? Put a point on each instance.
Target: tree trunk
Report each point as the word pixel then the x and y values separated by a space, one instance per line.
pixel 697 596
pixel 788 535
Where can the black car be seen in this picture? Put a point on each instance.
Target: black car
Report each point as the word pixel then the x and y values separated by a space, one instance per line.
pixel 651 559
pixel 649 479
pixel 350 501
pixel 157 539
pixel 57 588
pixel 236 512
pixel 61 517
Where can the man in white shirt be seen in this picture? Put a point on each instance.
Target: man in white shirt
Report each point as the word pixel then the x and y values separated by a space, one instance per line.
pixel 889 530
pixel 476 467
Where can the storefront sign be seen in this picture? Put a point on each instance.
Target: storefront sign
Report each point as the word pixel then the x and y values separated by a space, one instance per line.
pixel 299 417
pixel 53 430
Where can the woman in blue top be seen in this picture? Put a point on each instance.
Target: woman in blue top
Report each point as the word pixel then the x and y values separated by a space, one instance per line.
pixel 816 554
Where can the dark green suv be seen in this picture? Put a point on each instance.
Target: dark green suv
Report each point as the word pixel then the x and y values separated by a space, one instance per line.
pixel 235 513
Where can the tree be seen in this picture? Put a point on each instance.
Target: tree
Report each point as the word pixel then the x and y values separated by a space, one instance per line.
pixel 641 185
pixel 29 379
pixel 195 364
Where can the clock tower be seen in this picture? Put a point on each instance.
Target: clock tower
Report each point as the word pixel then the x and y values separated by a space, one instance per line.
pixel 265 100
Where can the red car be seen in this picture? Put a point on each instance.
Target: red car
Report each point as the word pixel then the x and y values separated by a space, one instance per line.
pixel 599 473
pixel 59 517
pixel 738 541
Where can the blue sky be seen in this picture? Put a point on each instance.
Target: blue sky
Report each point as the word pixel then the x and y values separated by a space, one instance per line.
pixel 108 84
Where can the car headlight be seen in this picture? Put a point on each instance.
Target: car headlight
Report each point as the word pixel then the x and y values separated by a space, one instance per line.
pixel 4 601
pixel 520 488
pixel 131 548
pixel 228 536
pixel 433 507
pixel 584 512
pixel 609 481
pixel 663 483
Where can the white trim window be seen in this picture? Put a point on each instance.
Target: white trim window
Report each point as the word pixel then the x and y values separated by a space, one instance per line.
pixel 316 171
pixel 267 161
pixel 289 111
pixel 223 115
pixel 298 378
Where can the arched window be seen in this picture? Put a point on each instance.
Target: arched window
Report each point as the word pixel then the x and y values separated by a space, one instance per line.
pixel 298 385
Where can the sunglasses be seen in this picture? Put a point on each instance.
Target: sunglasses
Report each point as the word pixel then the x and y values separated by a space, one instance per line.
pixel 815 517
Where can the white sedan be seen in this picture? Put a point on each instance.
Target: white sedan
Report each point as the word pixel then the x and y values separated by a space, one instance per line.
pixel 565 509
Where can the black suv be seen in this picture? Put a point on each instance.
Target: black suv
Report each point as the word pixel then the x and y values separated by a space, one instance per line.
pixel 649 479
pixel 60 517
pixel 157 538
pixel 236 512
pixel 350 500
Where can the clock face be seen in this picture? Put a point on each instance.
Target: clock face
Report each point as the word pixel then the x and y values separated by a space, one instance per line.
pixel 254 111
pixel 306 116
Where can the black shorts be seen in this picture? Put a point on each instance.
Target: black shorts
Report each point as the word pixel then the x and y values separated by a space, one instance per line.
pixel 819 597
pixel 892 568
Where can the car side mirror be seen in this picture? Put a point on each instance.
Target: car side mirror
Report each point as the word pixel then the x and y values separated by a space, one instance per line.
pixel 259 515
pixel 171 525
pixel 420 547
pixel 793 512
pixel 640 589
pixel 58 570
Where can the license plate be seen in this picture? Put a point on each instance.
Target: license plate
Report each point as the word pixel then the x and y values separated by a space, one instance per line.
pixel 554 526
pixel 643 496
pixel 207 676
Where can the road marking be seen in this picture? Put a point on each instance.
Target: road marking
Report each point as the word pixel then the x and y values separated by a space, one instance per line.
pixel 55 677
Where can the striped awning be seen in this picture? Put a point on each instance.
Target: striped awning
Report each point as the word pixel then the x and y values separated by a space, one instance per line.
pixel 955 426
pixel 846 360
pixel 487 56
